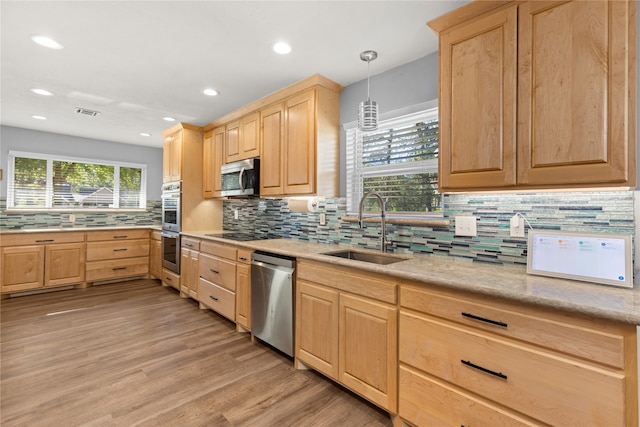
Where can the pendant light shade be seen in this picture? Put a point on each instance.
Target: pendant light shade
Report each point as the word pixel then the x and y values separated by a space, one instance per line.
pixel 368 110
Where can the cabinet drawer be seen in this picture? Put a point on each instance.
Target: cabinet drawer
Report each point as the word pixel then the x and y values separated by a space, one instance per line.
pixel 244 256
pixel 113 269
pixel 42 238
pixel 549 388
pixel 117 249
pixel 217 298
pixel 425 401
pixel 218 271
pixel 94 236
pixel 170 278
pixel 217 249
pixel 189 243
pixel 593 339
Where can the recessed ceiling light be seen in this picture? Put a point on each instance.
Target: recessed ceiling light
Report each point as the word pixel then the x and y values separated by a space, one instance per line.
pixel 210 92
pixel 169 119
pixel 46 42
pixel 145 134
pixel 41 92
pixel 282 48
pixel 39 117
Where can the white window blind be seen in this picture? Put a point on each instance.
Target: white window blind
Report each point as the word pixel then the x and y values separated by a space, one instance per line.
pixel 399 161
pixel 40 181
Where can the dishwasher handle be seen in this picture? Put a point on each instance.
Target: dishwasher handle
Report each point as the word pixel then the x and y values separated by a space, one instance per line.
pixel 263 264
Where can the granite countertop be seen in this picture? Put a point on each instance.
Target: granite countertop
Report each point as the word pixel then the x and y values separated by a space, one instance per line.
pixel 505 281
pixel 59 229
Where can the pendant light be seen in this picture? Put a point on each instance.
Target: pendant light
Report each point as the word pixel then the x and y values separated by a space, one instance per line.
pixel 368 110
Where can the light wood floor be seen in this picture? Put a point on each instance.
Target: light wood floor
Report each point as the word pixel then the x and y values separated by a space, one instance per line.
pixel 136 354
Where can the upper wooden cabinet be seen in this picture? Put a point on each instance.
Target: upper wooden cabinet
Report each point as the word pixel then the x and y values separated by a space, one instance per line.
pixel 296 134
pixel 179 142
pixel 537 94
pixel 243 138
pixel 212 159
pixel 300 143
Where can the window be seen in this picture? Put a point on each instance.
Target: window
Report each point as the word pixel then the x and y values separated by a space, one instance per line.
pixel 399 161
pixel 40 181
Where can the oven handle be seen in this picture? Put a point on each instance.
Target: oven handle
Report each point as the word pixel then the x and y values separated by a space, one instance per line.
pixel 169 235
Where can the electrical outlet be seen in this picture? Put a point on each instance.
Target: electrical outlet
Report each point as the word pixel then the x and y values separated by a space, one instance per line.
pixel 236 214
pixel 72 218
pixel 516 226
pixel 323 219
pixel 466 226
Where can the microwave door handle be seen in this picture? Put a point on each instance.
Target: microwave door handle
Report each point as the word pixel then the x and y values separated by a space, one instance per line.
pixel 241 180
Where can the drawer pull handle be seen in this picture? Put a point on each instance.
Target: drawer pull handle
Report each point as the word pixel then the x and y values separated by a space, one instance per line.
pixel 119 250
pixel 119 268
pixel 214 271
pixel 484 319
pixel 242 258
pixel 213 298
pixel 189 245
pixel 480 368
pixel 120 237
pixel 168 279
pixel 45 241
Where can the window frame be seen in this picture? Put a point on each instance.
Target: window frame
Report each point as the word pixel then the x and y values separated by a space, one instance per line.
pixel 50 158
pixel 354 185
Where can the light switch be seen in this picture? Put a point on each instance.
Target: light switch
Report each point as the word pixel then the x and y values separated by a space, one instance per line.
pixel 465 226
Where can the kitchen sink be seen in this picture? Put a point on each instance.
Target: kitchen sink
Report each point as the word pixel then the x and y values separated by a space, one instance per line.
pixel 374 258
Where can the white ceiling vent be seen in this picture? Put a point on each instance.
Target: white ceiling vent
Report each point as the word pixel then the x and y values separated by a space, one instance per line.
pixel 86 112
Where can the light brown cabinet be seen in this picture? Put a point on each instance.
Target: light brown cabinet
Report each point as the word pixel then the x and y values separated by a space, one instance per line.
pixel 504 364
pixel 536 94
pixel 242 139
pixel 172 157
pixel 189 257
pixel 217 278
pixel 41 260
pixel 299 144
pixel 155 254
pixel 243 289
pixel 212 158
pixel 116 254
pixel 346 328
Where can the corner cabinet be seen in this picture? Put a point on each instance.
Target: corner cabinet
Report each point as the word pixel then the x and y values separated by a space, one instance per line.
pixel 537 95
pixel 300 143
pixel 346 328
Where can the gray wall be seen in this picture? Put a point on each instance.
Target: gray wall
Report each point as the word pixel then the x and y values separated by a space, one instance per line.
pixel 409 84
pixel 18 139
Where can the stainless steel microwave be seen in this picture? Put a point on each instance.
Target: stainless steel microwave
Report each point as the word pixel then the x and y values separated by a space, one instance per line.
pixel 241 178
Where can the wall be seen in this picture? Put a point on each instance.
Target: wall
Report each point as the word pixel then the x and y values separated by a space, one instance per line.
pixel 18 139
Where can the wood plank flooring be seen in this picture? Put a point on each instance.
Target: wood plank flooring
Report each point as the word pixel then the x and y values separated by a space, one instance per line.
pixel 136 354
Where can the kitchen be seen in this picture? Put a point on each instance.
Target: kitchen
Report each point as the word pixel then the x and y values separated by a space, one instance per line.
pixel 494 211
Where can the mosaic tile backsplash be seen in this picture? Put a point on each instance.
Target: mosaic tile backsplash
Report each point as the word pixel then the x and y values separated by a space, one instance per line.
pixel 152 216
pixel 605 211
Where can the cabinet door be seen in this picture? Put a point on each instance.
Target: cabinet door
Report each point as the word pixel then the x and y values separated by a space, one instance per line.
pixel 185 272
pixel 300 145
pixel 22 268
pixel 478 102
pixel 272 151
pixel 250 136
pixel 207 165
pixel 243 295
pixel 64 264
pixel 232 142
pixel 574 93
pixel 176 157
pixel 166 159
pixel 155 258
pixel 213 157
pixel 317 313
pixel 368 351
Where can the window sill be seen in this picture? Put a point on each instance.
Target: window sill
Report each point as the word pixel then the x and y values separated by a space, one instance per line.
pixel 430 222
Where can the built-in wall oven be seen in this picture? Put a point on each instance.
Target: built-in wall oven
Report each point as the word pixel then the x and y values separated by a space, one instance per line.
pixel 171 219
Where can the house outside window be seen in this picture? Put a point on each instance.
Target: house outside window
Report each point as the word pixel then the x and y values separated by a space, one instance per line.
pixel 400 162
pixel 40 181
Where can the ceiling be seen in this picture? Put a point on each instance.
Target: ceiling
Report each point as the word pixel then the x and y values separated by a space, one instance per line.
pixel 139 61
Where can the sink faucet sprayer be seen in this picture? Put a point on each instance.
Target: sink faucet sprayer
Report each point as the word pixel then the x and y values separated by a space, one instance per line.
pixel 383 227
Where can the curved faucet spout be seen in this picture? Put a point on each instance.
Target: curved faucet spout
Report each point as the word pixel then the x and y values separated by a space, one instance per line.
pixel 383 208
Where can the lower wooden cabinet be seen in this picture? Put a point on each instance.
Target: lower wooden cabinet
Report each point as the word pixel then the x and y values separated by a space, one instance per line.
pixel 189 256
pixel 41 260
pixel 243 289
pixel 155 255
pixel 169 278
pixel 347 336
pixel 493 360
pixel 217 278
pixel 117 254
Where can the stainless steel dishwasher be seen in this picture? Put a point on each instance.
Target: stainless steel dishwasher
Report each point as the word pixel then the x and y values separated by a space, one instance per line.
pixel 272 279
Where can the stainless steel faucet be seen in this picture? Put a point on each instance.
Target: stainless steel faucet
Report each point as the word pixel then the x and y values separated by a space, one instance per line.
pixel 383 226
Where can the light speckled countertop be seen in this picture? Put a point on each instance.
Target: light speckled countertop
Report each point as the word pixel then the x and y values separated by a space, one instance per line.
pixel 57 230
pixel 506 281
